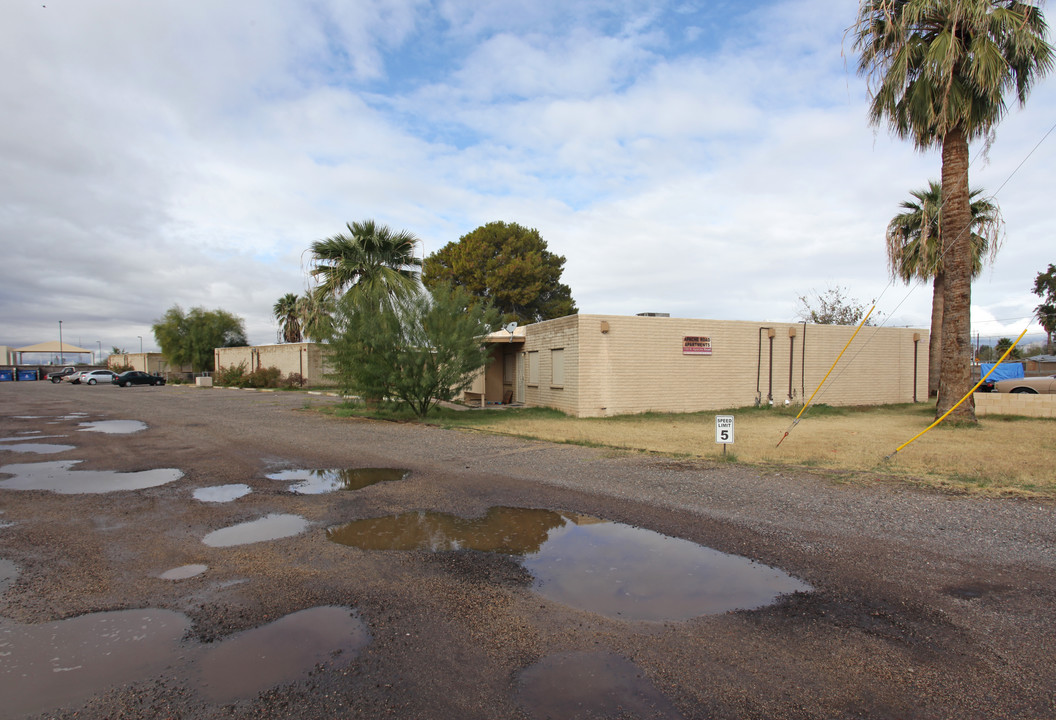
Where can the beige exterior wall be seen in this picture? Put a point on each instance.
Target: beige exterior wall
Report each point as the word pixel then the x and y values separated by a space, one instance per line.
pixel 306 359
pixel 616 365
pixel 1042 406
pixel 152 363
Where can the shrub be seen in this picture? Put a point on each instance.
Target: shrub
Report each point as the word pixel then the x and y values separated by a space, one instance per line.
pixel 232 376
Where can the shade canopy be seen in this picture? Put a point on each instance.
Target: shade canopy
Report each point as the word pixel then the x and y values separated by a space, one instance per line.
pixel 52 346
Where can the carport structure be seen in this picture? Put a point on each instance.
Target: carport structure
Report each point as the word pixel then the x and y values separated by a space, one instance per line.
pixel 52 347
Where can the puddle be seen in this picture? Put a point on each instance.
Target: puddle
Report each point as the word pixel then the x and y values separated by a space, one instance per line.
pixel 47 666
pixel 53 664
pixel 58 477
pixel 38 448
pixel 590 685
pixel 28 435
pixel 269 527
pixel 8 573
pixel 317 482
pixel 183 572
pixel 605 567
pixel 113 427
pixel 280 652
pixel 222 493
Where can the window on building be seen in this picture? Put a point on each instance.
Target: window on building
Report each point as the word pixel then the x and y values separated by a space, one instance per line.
pixel 533 367
pixel 557 367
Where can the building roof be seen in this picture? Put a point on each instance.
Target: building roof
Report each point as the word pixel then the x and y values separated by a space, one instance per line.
pixel 1043 358
pixel 52 346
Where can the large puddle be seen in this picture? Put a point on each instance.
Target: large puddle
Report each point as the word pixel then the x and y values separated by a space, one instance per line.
pixel 590 685
pixel 58 477
pixel 317 482
pixel 113 427
pixel 184 572
pixel 46 666
pixel 605 567
pixel 8 573
pixel 269 527
pixel 38 448
pixel 222 493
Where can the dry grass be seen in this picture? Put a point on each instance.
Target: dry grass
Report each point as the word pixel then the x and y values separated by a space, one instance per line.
pixel 999 456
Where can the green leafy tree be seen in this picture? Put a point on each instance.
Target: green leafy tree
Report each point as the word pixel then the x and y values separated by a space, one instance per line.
pixel 939 72
pixel 1002 346
pixel 915 253
pixel 985 353
pixel 190 338
pixel 508 265
pixel 287 312
pixel 1045 288
pixel 414 352
pixel 371 256
pixel 832 308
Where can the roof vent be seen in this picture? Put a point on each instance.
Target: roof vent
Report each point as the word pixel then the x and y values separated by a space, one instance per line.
pixel 654 314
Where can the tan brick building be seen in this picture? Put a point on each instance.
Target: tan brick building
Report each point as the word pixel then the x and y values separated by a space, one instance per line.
pixel 602 365
pixel 306 358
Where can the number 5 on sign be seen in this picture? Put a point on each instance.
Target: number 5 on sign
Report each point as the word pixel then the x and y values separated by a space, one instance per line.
pixel 724 430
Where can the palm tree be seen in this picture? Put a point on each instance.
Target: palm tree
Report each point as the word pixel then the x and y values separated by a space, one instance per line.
pixel 371 256
pixel 288 315
pixel 315 312
pixel 939 71
pixel 915 253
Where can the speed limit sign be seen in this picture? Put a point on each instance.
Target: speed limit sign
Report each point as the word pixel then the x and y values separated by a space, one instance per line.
pixel 724 429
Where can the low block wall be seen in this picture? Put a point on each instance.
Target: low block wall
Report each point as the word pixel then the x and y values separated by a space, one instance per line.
pixel 1041 406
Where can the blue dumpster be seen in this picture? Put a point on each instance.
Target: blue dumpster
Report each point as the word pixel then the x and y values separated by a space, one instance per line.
pixel 7 375
pixel 27 374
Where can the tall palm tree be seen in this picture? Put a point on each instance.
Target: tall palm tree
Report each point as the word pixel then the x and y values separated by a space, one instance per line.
pixel 914 252
pixel 315 312
pixel 939 71
pixel 370 256
pixel 288 314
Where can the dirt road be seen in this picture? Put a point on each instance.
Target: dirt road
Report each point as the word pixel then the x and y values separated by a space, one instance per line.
pixel 920 605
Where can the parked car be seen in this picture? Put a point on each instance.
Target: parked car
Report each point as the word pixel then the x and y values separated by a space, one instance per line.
pixel 1044 385
pixel 97 376
pixel 58 375
pixel 137 377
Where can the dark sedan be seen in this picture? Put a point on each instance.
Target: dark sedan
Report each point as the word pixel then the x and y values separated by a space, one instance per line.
pixel 137 377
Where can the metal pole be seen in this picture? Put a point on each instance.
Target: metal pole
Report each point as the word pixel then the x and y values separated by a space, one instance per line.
pixel 62 360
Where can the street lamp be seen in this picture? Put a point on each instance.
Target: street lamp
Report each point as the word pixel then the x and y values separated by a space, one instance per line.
pixel 100 344
pixel 140 344
pixel 62 360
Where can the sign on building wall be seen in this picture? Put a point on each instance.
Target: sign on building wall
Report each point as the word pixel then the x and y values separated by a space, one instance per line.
pixel 696 345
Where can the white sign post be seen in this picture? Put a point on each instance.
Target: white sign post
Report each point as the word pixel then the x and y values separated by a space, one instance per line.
pixel 724 431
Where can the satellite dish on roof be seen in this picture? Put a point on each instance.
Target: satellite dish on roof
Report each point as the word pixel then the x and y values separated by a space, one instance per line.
pixel 510 328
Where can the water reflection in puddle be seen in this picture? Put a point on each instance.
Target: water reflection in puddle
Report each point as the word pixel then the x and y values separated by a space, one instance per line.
pixel 317 482
pixel 52 664
pixel 222 493
pixel 38 448
pixel 8 573
pixel 113 427
pixel 46 666
pixel 280 652
pixel 605 567
pixel 183 572
pixel 269 527
pixel 58 477
pixel 590 685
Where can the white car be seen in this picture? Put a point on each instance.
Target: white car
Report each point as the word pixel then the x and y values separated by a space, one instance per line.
pixel 93 377
pixel 74 378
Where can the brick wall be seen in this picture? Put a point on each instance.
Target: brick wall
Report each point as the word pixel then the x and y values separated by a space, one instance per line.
pixel 627 364
pixel 1043 406
pixel 307 359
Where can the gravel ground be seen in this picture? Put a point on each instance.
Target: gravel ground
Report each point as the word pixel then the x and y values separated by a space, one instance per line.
pixel 923 605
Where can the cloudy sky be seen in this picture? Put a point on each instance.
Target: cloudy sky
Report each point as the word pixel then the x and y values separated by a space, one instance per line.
pixel 705 158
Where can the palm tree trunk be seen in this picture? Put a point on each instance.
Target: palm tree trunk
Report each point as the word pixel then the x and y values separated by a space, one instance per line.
pixel 955 378
pixel 935 340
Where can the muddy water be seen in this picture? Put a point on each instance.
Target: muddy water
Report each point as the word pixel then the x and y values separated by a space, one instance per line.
pixel 590 685
pixel 183 572
pixel 58 477
pixel 52 664
pixel 605 567
pixel 38 448
pixel 8 573
pixel 317 482
pixel 252 661
pixel 46 666
pixel 269 527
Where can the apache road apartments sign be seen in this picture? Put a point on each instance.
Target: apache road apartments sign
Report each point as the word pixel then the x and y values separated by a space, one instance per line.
pixel 696 345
